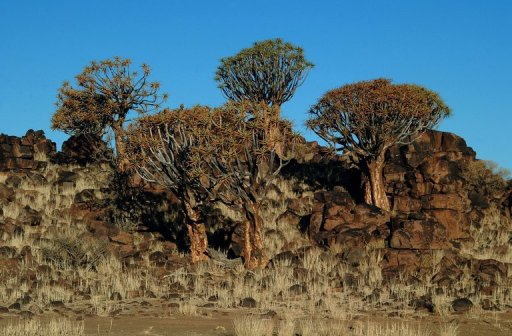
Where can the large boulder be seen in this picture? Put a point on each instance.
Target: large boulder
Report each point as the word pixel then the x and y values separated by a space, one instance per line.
pixel 85 148
pixel 337 219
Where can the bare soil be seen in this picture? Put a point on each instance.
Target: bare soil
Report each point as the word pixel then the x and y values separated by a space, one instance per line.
pixel 156 322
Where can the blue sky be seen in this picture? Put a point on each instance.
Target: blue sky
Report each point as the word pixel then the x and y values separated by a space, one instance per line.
pixel 459 48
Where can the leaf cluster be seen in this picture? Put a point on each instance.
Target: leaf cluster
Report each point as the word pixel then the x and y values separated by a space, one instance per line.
pixel 270 71
pixel 368 117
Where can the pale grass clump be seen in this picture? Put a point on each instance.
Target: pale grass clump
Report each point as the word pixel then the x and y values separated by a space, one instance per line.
pixel 449 329
pixel 11 289
pixel 250 325
pixel 370 266
pixel 393 329
pixel 491 237
pixel 49 197
pixel 342 306
pixel 102 307
pixel 187 308
pixel 286 327
pixel 34 327
pixel 442 304
pixel 19 240
pixel 45 294
pixel 321 327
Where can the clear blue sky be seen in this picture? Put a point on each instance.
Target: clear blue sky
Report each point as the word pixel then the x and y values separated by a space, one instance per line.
pixel 459 48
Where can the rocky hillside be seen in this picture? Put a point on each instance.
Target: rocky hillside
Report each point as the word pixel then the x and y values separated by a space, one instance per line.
pixel 447 224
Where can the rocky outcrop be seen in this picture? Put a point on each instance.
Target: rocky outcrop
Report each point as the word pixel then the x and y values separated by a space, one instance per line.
pixel 434 206
pixel 29 152
pixel 428 191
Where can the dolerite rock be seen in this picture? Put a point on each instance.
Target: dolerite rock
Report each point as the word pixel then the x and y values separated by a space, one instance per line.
pixel 431 204
pixel 248 302
pixel 462 305
pixel 85 148
pixel 7 251
pixel 27 153
pixel 337 219
pixel 29 216
pixel 489 270
pixel 6 194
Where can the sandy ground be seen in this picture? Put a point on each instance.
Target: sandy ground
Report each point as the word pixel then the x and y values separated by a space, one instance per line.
pixel 220 323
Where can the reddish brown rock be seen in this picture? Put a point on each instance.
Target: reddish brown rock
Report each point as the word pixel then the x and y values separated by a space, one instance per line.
pixel 123 238
pixel 85 148
pixel 455 223
pixel 406 204
pixel 444 201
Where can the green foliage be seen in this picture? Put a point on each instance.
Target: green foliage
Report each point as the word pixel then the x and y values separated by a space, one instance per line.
pixel 270 71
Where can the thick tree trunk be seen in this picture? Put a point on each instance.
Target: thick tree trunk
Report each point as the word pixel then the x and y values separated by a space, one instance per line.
pixel 254 249
pixel 375 191
pixel 198 242
pixel 122 161
pixel 196 234
pixel 272 131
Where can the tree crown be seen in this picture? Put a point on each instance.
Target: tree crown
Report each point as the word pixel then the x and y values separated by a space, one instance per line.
pixel 369 116
pixel 106 92
pixel 269 71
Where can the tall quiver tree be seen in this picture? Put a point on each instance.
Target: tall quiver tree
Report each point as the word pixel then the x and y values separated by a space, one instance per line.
pixel 242 156
pixel 366 118
pixel 269 72
pixel 106 92
pixel 166 149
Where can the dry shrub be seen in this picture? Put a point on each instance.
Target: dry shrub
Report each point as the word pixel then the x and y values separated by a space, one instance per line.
pixel 70 249
pixel 486 175
pixel 251 325
pixel 492 236
pixel 449 329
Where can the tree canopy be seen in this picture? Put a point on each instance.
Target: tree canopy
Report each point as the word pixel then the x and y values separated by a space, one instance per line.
pixel 248 162
pixel 105 92
pixel 270 71
pixel 368 117
pixel 206 155
pixel 166 148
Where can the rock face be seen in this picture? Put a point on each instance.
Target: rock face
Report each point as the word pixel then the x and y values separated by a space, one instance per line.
pixel 431 207
pixel 39 186
pixel 336 219
pixel 427 187
pixel 76 187
pixel 28 152
pixel 434 207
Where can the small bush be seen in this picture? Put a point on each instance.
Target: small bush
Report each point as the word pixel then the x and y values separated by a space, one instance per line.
pixel 486 175
pixel 69 249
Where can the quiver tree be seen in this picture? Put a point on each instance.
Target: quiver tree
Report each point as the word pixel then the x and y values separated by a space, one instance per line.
pixel 366 118
pixel 166 149
pixel 269 72
pixel 106 92
pixel 247 163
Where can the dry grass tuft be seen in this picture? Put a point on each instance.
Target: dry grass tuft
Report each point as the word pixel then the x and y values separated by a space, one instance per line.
pixel 61 327
pixel 251 325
